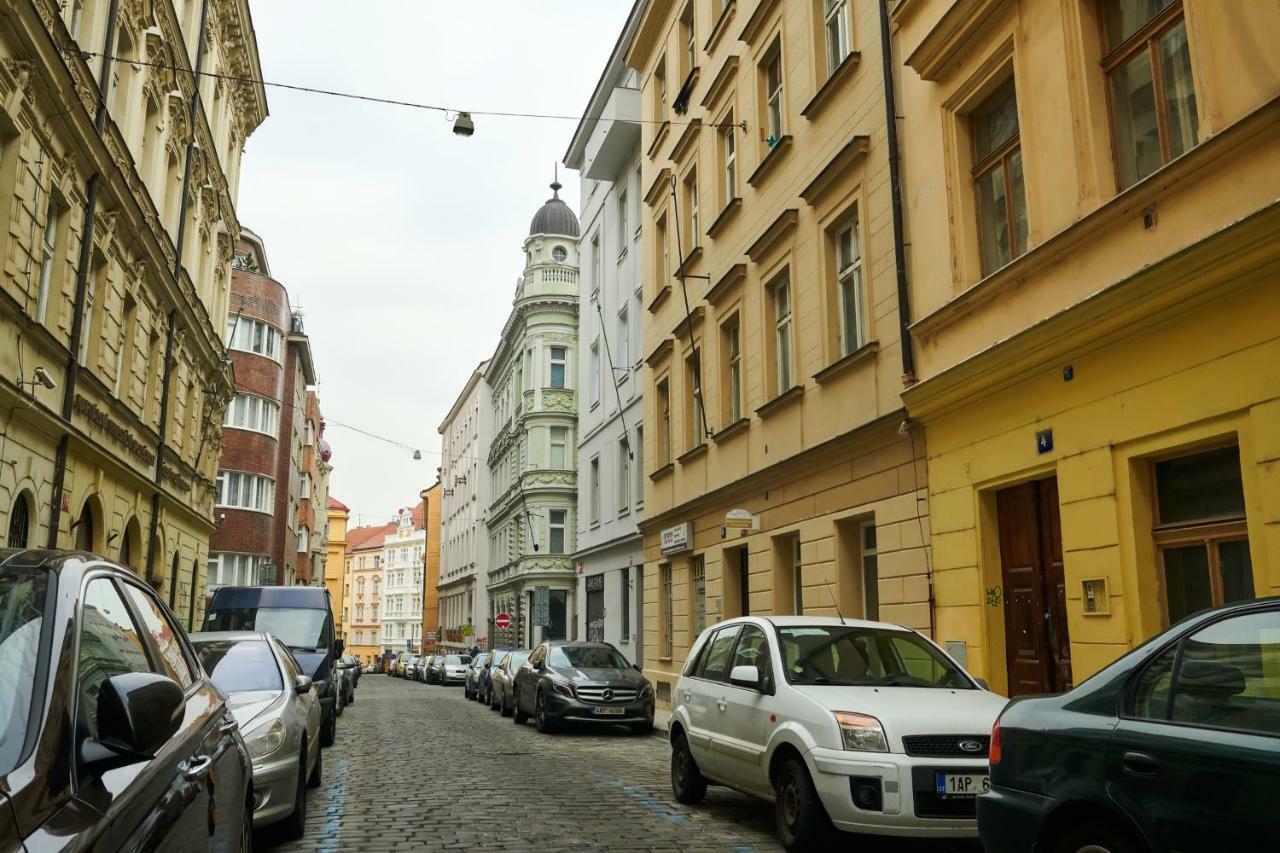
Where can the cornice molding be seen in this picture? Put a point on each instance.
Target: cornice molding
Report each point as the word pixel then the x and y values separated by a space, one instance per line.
pixel 836 168
pixel 777 230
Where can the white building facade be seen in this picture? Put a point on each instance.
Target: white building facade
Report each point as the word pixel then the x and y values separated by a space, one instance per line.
pixel 465 619
pixel 531 460
pixel 401 604
pixel 609 556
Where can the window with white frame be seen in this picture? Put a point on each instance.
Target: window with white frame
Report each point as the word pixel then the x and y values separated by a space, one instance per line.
pixel 235 569
pixel 304 538
pixel 53 216
pixel 691 204
pixel 597 265
pixel 638 466
pixel 729 155
pixel 733 368
pixel 624 342
pixel 559 362
pixel 849 284
pixel 623 238
pixel 247 411
pixel 245 491
pixel 624 477
pixel 555 531
pixel 250 335
pixel 595 490
pixel 596 367
pixel 836 27
pixel 559 456
pixel 774 107
pixel 783 334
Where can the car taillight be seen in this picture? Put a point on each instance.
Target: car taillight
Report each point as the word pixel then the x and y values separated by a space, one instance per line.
pixel 993 754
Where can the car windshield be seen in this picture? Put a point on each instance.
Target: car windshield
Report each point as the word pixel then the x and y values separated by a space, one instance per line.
pixel 240 667
pixel 457 660
pixel 854 656
pixel 518 658
pixel 23 597
pixel 297 628
pixel 588 657
pixel 479 661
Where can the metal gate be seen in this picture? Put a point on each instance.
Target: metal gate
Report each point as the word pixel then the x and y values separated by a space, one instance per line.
pixel 595 608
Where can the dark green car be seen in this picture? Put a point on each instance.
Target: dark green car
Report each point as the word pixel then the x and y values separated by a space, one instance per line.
pixel 1174 747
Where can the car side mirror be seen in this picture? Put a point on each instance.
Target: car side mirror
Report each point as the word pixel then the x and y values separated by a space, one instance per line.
pixel 302 685
pixel 637 668
pixel 539 666
pixel 982 682
pixel 338 648
pixel 745 676
pixel 137 714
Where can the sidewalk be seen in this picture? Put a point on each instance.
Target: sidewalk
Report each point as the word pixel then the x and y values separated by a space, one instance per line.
pixel 661 721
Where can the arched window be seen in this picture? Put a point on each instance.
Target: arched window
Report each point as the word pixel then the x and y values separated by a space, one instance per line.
pixel 20 522
pixel 131 545
pixel 85 533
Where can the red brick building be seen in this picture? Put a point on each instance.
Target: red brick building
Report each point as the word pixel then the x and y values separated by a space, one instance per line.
pixel 266 482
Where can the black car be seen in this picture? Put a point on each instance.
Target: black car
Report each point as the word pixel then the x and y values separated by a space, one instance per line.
pixel 111 734
pixel 1175 746
pixel 582 682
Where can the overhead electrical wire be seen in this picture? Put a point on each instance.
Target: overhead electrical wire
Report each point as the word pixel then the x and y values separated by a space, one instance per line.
pixel 375 99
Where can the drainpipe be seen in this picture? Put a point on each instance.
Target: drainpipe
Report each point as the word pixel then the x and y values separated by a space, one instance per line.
pixel 179 241
pixel 895 192
pixel 82 282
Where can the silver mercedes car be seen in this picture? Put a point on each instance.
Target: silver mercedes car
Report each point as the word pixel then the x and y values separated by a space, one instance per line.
pixel 279 717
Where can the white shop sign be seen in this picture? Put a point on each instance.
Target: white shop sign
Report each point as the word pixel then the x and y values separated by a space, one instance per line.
pixel 678 538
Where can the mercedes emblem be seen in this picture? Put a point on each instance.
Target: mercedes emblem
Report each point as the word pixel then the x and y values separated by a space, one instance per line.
pixel 607 695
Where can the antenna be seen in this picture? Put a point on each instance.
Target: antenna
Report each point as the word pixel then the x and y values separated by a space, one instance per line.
pixel 835 603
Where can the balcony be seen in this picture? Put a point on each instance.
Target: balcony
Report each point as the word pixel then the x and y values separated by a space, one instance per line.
pixel 616 133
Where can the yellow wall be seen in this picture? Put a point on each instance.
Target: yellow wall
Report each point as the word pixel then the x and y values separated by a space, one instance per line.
pixel 365 634
pixel 431 565
pixel 1161 298
pixel 335 573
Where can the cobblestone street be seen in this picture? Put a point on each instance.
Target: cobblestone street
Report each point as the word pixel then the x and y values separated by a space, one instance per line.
pixel 421 768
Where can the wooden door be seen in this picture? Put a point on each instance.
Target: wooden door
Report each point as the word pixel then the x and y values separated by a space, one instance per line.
pixel 1037 646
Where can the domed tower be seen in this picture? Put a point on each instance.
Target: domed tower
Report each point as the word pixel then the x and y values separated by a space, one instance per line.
pixel 553 238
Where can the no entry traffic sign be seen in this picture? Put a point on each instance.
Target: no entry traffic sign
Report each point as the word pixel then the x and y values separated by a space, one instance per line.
pixel 502 620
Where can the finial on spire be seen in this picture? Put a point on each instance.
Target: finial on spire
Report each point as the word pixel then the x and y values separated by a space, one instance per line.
pixel 555 182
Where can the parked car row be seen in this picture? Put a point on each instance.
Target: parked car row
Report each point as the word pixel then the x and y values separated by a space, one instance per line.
pixel 119 731
pixel 871 727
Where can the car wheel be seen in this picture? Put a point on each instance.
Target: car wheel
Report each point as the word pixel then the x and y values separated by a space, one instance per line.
pixel 800 818
pixel 687 783
pixel 296 825
pixel 351 697
pixel 518 716
pixel 1094 836
pixel 313 781
pixel 246 827
pixel 505 709
pixel 541 720
pixel 493 701
pixel 329 731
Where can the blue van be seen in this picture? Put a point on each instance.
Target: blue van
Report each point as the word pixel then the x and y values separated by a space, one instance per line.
pixel 302 617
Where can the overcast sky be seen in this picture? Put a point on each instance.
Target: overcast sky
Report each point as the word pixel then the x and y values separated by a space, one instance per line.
pixel 399 240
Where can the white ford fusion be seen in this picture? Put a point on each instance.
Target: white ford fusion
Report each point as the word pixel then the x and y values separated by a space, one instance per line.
pixel 864 725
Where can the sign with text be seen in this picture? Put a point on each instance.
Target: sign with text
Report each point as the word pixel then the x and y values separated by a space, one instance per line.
pixel 678 538
pixel 502 621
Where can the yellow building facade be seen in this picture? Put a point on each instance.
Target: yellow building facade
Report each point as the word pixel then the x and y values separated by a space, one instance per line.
pixel 337 576
pixel 366 575
pixel 431 506
pixel 1093 208
pixel 777 474
pixel 119 171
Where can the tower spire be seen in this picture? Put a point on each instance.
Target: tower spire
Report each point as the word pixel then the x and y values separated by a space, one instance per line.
pixel 555 181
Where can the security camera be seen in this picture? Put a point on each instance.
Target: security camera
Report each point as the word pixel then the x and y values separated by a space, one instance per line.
pixel 43 377
pixel 463 125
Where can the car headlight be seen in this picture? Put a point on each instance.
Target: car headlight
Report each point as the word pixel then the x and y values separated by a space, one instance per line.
pixel 562 688
pixel 861 732
pixel 646 691
pixel 265 740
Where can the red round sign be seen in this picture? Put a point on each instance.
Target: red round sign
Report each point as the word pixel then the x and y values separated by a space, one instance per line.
pixel 502 620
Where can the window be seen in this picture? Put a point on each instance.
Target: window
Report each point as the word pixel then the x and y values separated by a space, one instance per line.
pixel 626 603
pixel 698 617
pixel 1201 533
pixel 256 413
pixel 77 15
pixel 689 41
pixel 20 522
pixel 309 434
pixel 694 434
pixel 624 239
pixel 774 107
pixel 559 358
pixel 714 665
pixel 836 27
pixel 691 205
pixel 86 330
pixel 1225 678
pixel 304 539
pixel 624 477
pixel 556 519
pixel 731 350
pixel 752 650
pixel 660 90
pixel 849 284
pixel 235 570
pixel 596 367
pixel 663 405
pixel 997 176
pixel 624 342
pixel 165 637
pixel 250 335
pixel 665 602
pixel 110 645
pixel 1153 99
pixel 559 447
pixel 595 490
pixel 664 252
pixel 52 224
pixel 782 334
pixel 870 571
pixel 558 254
pixel 638 449
pixel 597 276
pixel 245 491
pixel 729 157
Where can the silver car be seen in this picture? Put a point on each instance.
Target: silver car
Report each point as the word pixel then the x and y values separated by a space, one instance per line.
pixel 279 717
pixel 502 697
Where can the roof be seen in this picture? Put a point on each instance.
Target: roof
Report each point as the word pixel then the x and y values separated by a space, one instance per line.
pixel 364 538
pixel 334 503
pixel 554 217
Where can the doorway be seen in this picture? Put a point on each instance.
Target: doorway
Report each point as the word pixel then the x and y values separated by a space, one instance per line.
pixel 595 608
pixel 1037 647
